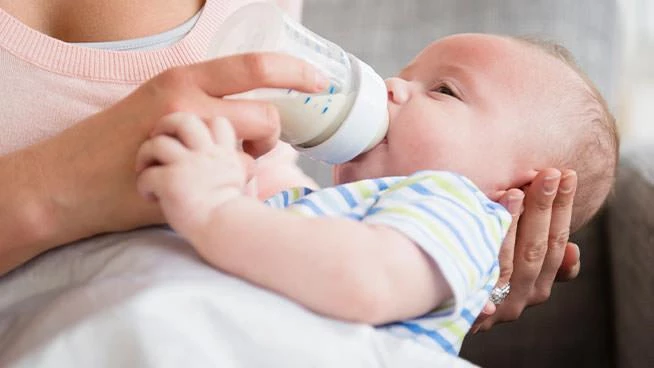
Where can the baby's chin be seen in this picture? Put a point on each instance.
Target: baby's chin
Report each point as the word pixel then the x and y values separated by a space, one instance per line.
pixel 368 165
pixel 342 173
pixel 349 172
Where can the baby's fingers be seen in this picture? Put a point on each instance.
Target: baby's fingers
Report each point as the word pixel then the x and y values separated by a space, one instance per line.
pixel 222 132
pixel 188 128
pixel 148 181
pixel 160 150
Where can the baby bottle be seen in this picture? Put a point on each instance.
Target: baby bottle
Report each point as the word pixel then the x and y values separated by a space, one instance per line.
pixel 348 118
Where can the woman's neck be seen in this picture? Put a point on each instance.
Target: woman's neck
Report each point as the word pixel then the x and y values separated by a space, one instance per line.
pixel 95 21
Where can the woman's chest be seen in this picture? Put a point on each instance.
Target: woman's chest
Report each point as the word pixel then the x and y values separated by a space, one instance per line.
pixel 96 21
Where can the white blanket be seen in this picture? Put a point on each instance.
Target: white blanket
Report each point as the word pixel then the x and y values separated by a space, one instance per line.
pixel 144 299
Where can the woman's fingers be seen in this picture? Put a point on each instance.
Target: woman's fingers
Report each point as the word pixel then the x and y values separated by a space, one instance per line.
pixel 256 123
pixel 570 265
pixel 200 88
pixel 532 238
pixel 558 237
pixel 542 251
pixel 244 72
pixel 513 202
pixel 485 314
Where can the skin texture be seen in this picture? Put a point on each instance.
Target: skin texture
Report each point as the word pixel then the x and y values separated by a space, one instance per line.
pixel 462 105
pixel 58 193
pixel 92 21
pixel 458 107
pixel 443 106
pixel 355 277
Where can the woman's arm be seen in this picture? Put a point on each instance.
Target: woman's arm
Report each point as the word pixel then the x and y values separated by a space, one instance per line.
pixel 82 182
pixel 24 217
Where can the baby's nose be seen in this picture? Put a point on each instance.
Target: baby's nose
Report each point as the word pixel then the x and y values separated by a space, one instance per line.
pixel 397 90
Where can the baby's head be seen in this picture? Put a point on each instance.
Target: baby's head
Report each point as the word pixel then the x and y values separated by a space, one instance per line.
pixel 497 110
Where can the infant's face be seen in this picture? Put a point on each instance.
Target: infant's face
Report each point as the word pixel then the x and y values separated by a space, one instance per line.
pixel 459 106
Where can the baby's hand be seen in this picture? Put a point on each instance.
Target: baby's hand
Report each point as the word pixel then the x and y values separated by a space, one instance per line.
pixel 191 167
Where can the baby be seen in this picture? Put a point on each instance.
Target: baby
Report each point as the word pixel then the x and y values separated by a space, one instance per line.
pixel 408 239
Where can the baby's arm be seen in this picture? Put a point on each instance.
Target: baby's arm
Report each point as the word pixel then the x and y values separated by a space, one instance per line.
pixel 337 267
pixel 341 268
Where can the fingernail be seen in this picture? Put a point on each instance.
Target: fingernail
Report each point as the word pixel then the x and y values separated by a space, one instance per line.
pixel 551 184
pixel 515 203
pixel 577 252
pixel 566 183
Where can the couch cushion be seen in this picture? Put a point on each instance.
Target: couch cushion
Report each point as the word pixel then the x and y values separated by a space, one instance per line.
pixel 631 226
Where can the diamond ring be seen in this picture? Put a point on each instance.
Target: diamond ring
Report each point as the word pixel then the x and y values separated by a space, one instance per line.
pixel 499 293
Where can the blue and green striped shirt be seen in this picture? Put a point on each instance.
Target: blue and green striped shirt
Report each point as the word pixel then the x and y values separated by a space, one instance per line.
pixel 443 213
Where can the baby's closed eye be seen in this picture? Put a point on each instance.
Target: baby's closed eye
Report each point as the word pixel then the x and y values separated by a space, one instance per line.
pixel 445 89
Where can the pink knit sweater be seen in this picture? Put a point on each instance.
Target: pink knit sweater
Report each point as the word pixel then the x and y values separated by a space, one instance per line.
pixel 47 85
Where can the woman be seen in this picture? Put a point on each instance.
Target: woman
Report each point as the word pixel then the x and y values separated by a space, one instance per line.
pixel 74 117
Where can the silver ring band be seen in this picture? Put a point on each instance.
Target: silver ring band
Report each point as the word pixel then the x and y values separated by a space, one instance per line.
pixel 499 293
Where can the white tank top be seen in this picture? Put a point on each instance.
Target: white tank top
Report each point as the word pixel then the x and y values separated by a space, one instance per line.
pixel 154 42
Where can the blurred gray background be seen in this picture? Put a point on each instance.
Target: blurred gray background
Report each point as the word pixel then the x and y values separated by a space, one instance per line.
pixel 576 328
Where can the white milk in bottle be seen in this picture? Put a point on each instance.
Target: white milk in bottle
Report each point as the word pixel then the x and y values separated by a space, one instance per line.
pixel 335 125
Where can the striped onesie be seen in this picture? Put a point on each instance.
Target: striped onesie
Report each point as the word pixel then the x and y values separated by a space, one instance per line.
pixel 444 214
